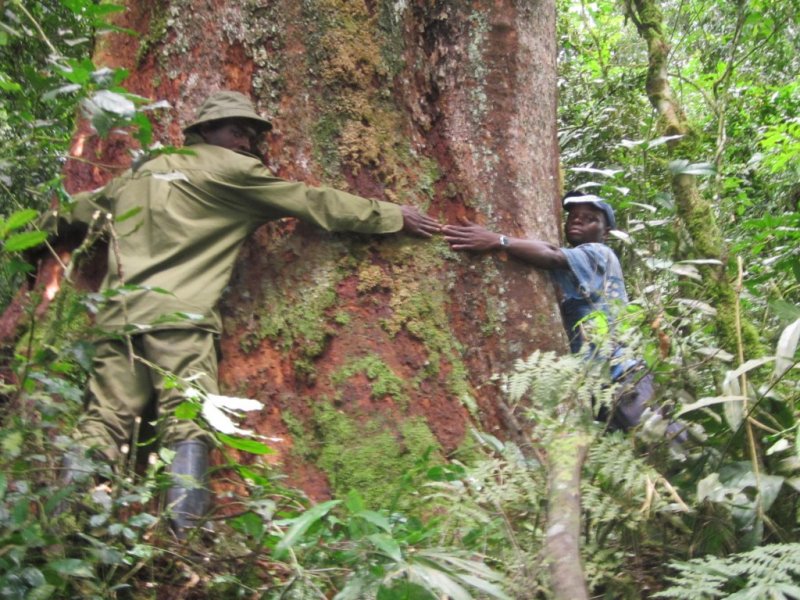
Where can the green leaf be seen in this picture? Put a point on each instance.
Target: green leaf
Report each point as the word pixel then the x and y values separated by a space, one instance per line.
pixel 71 567
pixel 437 581
pixel 249 523
pixel 683 167
pixel 251 446
pixel 375 518
pixel 354 502
pixel 42 592
pixel 709 401
pixel 786 348
pixel 12 443
pixel 487 587
pixel 301 524
pixel 128 214
pixel 7 84
pixel 114 103
pixel 19 219
pixel 403 590
pixel 785 310
pixel 144 129
pixel 187 410
pixel 25 240
pixel 387 545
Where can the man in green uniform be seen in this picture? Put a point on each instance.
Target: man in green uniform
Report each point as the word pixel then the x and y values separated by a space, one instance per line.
pixel 178 223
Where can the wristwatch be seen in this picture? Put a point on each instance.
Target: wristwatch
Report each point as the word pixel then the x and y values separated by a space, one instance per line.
pixel 504 242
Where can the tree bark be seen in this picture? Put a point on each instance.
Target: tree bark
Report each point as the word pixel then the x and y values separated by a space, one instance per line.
pixel 566 456
pixel 367 350
pixel 696 213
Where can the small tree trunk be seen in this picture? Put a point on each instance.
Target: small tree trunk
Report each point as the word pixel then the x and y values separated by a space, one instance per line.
pixel 566 455
pixel 696 213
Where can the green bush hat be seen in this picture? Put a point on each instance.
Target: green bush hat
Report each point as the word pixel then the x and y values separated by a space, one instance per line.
pixel 228 105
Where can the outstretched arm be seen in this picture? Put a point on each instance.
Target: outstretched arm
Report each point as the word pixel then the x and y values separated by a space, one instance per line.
pixel 476 238
pixel 417 223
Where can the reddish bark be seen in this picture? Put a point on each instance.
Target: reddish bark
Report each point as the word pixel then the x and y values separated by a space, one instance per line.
pixel 475 95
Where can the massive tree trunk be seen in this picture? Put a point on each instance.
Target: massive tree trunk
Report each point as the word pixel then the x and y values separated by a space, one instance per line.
pixel 367 350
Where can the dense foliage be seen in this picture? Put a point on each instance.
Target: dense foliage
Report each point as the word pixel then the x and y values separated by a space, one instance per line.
pixel 722 511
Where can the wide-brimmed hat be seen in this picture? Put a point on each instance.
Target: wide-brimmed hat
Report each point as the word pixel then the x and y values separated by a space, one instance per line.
pixel 227 105
pixel 574 198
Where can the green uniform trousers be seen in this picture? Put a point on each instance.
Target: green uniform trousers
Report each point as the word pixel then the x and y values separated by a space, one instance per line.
pixel 120 389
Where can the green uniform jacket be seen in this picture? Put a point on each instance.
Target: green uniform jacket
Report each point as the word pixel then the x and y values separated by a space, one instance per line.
pixel 194 212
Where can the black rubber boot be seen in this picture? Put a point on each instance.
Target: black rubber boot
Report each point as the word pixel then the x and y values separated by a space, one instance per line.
pixel 188 497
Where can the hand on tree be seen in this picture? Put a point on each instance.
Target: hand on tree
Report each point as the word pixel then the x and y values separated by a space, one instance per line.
pixel 470 236
pixel 419 224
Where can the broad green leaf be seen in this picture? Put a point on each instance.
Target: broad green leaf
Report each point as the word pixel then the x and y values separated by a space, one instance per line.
pixel 466 565
pixel 22 241
pixel 19 219
pixel 216 409
pixel 245 445
pixel 42 592
pixel 717 353
pixel 603 172
pixel 71 567
pixel 701 261
pixel 387 545
pixel 662 140
pixel 301 524
pixel 686 270
pixel 33 576
pixel 785 310
pixel 354 502
pixel 786 348
pixel 487 587
pixel 734 414
pixel 709 401
pixel 187 410
pixel 12 443
pixel 401 590
pixel 7 84
pixel 749 366
pixel 249 523
pixel 375 518
pixel 683 167
pixel 779 446
pixel 114 103
pixel 437 581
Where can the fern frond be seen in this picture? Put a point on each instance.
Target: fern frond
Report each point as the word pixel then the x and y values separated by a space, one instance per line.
pixel 621 494
pixel 764 572
pixel 555 382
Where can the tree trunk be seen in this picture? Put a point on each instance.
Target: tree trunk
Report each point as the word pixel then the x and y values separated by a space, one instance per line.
pixel 696 213
pixel 566 456
pixel 365 351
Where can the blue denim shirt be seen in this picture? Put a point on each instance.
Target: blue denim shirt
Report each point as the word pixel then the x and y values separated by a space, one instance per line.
pixel 593 282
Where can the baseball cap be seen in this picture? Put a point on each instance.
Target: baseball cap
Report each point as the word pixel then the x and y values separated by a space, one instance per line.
pixel 574 198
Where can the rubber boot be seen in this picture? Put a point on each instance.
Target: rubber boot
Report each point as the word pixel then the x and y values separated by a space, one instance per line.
pixel 188 497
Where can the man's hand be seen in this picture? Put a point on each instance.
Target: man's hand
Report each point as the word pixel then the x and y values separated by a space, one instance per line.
pixel 418 224
pixel 470 236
